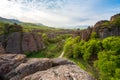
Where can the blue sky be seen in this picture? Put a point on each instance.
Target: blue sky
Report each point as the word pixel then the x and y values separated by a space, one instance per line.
pixel 60 13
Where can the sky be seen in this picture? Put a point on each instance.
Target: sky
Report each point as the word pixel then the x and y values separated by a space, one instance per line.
pixel 60 13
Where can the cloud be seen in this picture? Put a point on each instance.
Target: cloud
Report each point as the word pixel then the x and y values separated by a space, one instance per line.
pixel 58 13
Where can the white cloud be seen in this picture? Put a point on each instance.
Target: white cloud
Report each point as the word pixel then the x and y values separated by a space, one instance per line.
pixel 55 13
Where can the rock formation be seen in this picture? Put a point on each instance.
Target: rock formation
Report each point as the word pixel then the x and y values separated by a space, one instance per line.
pixel 15 40
pixel 114 17
pixel 18 67
pixel 18 42
pixel 2 51
pixel 103 29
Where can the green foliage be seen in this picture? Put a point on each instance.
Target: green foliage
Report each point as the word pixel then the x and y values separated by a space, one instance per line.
pixel 108 61
pixel 76 51
pixel 51 51
pixel 45 39
pixel 8 29
pixel 76 48
pixel 108 64
pixel 106 24
pixel 116 22
pixel 111 43
pixel 103 53
pixel 94 35
pixel 68 47
pixel 54 46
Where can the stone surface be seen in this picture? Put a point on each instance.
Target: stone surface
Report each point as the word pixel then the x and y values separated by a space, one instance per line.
pixel 38 41
pixel 19 42
pixel 9 62
pixel 18 67
pixel 28 43
pixel 102 30
pixel 114 17
pixel 2 51
pixel 13 44
pixel 62 72
pixel 29 67
pixel 60 61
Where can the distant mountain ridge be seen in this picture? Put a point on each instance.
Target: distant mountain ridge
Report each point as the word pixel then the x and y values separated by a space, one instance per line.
pixel 10 20
pixel 40 24
pixel 18 21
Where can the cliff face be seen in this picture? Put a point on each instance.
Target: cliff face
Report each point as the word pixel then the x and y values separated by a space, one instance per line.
pixel 18 67
pixel 103 29
pixel 18 42
pixel 15 40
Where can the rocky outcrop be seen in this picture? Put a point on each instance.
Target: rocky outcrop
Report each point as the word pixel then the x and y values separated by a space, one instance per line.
pixel 84 34
pixel 103 29
pixel 62 72
pixel 28 43
pixel 29 67
pixel 98 25
pixel 9 62
pixel 114 17
pixel 14 40
pixel 18 67
pixel 2 51
pixel 13 43
pixel 20 42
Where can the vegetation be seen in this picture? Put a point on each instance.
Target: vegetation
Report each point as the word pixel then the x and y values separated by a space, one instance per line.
pixel 99 57
pixel 104 54
pixel 54 47
pixel 116 22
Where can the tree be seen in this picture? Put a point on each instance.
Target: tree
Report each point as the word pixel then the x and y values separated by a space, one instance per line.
pixel 94 35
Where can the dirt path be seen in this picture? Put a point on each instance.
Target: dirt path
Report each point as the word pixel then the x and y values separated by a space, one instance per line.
pixel 61 55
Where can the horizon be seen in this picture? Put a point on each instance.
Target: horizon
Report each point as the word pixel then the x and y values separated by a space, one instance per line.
pixel 59 13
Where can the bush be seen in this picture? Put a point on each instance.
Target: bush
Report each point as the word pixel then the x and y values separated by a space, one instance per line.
pixel 68 47
pixel 106 53
pixel 108 65
pixel 94 35
pixel 92 47
pixel 111 43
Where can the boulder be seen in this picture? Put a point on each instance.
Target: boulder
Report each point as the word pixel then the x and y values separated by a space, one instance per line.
pixel 29 67
pixel 18 67
pixel 62 72
pixel 60 61
pixel 9 62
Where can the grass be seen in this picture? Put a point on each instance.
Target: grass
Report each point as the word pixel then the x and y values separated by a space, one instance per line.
pixel 51 51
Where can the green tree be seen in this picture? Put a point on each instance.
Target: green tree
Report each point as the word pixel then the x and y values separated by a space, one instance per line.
pixel 94 35
pixel 68 47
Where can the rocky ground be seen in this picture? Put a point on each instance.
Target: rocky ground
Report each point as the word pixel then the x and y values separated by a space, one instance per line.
pixel 18 67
